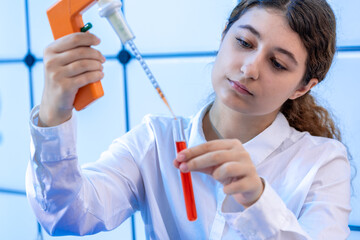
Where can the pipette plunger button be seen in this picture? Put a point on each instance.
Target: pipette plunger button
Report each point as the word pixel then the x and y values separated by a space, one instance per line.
pixel 86 27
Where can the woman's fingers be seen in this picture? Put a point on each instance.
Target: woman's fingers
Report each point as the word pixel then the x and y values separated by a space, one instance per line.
pixel 68 79
pixel 228 171
pixel 246 191
pixel 70 63
pixel 87 78
pixel 206 157
pixel 72 41
pixel 206 160
pixel 214 159
pixel 211 146
pixel 244 185
pixel 80 53
pixel 227 162
pixel 240 180
pixel 66 58
pixel 81 66
pixel 231 174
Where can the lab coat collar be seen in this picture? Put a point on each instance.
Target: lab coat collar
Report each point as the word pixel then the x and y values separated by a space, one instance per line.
pixel 260 147
pixel 197 135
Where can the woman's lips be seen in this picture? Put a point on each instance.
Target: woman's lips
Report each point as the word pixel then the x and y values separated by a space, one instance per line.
pixel 239 87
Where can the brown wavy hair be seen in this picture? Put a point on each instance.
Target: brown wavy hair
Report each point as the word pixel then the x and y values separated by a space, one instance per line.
pixel 315 23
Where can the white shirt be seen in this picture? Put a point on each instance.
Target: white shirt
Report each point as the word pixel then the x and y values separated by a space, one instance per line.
pixel 306 195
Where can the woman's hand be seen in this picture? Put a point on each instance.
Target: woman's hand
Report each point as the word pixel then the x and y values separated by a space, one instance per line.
pixel 228 162
pixel 70 63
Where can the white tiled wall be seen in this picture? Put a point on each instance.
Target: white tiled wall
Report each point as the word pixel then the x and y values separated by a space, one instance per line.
pixel 354 236
pixel 347 14
pixel 14 109
pixel 177 26
pixel 13 34
pixel 15 214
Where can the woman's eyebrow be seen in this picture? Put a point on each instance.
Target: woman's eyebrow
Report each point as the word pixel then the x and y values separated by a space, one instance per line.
pixel 287 53
pixel 251 29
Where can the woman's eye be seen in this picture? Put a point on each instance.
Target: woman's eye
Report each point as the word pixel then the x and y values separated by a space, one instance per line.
pixel 277 65
pixel 244 43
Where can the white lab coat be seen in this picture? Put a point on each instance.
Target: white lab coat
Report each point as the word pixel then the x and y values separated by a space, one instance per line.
pixel 306 196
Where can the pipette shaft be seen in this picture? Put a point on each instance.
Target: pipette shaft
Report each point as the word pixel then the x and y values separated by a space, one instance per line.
pixel 111 10
pixel 149 74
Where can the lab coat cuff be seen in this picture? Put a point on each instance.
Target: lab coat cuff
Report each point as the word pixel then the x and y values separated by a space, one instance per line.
pixel 53 143
pixel 263 219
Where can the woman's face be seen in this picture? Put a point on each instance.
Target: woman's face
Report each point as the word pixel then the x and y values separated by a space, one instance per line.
pixel 260 64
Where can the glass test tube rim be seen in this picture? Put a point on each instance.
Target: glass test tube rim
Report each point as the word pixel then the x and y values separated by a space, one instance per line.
pixel 179 134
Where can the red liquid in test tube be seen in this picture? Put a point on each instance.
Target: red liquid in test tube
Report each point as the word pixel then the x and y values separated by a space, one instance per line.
pixel 185 177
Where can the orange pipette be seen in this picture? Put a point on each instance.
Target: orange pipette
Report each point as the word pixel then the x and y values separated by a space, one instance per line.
pixel 65 17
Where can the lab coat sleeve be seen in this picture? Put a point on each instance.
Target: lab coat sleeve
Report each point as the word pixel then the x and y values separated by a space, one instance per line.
pixel 69 200
pixel 324 213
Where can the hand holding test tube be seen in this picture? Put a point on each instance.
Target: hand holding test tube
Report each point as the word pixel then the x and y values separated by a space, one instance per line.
pixel 189 198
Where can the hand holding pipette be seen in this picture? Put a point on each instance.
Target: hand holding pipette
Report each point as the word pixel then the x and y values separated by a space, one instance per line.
pixel 69 64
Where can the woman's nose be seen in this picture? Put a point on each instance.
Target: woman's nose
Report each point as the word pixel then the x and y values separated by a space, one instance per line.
pixel 250 67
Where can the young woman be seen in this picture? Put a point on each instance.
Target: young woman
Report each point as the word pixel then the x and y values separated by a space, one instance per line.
pixel 266 162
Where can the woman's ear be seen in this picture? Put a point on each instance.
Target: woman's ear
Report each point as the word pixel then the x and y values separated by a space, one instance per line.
pixel 304 89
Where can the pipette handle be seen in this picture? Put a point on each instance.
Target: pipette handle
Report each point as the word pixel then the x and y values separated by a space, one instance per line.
pixel 65 17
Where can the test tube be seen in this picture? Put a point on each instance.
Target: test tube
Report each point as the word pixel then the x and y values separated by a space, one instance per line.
pixel 180 143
